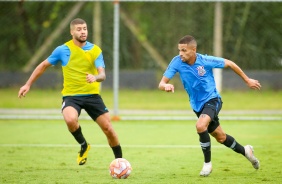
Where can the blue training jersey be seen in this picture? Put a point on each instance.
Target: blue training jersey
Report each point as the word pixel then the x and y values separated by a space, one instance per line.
pixel 197 79
pixel 62 54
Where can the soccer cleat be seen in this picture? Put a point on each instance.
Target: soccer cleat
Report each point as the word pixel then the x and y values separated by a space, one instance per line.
pixel 249 154
pixel 82 155
pixel 207 169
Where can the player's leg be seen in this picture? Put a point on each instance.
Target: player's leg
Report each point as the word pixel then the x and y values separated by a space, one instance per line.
pixel 105 124
pixel 205 143
pixel 71 111
pixel 231 143
pixel 204 137
pixel 70 115
pixel 205 126
pixel 97 110
pixel 227 140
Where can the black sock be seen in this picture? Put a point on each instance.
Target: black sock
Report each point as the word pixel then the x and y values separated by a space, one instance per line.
pixel 205 143
pixel 230 142
pixel 80 138
pixel 117 151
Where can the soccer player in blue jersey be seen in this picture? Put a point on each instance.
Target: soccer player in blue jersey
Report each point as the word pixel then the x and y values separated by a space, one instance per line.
pixel 83 70
pixel 196 75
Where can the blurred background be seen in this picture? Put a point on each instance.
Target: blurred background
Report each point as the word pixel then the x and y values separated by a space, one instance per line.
pixel 148 37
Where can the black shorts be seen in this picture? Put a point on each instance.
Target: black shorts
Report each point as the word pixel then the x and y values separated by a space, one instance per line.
pixel 211 108
pixel 92 104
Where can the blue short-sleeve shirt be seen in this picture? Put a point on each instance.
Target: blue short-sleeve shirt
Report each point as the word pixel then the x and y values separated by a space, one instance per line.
pixel 197 79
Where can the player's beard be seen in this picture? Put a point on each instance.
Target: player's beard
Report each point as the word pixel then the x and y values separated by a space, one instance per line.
pixel 81 40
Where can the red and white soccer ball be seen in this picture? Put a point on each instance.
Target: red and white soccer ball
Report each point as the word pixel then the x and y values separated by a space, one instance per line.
pixel 120 168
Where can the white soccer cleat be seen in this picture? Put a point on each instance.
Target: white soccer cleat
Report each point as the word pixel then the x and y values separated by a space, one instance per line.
pixel 207 169
pixel 249 154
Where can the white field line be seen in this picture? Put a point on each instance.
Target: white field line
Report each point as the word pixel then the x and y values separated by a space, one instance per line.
pixel 147 118
pixel 188 112
pixel 186 118
pixel 148 115
pixel 106 146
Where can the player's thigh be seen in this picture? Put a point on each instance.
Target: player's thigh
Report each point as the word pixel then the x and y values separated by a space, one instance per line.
pixel 202 123
pixel 70 114
pixel 71 108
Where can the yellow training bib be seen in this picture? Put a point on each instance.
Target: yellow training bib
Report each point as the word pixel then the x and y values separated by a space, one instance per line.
pixel 81 63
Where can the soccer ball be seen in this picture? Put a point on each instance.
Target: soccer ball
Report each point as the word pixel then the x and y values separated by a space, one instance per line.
pixel 120 168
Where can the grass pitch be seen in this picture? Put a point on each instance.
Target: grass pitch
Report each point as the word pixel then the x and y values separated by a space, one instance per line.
pixel 33 151
pixel 145 99
pixel 160 151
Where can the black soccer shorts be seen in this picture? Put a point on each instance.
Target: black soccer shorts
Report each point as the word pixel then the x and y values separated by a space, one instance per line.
pixel 211 108
pixel 92 104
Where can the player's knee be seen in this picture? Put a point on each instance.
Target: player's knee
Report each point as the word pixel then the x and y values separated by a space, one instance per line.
pixel 201 127
pixel 220 138
pixel 72 123
pixel 70 120
pixel 108 129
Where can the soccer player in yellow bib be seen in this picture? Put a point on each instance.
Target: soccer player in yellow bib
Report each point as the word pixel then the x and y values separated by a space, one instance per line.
pixel 83 70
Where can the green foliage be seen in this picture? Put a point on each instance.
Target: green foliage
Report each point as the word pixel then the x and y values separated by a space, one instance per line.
pixel 254 34
pixel 251 31
pixel 28 24
pixel 33 151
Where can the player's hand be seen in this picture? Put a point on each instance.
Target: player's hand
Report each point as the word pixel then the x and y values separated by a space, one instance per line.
pixel 90 78
pixel 23 91
pixel 169 88
pixel 253 84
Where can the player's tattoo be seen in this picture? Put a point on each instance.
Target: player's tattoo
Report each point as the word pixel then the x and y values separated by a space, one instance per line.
pixel 203 115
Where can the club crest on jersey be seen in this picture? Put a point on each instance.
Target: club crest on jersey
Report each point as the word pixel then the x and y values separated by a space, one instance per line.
pixel 201 70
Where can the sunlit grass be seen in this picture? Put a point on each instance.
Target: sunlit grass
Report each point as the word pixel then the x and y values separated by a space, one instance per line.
pixel 33 151
pixel 146 99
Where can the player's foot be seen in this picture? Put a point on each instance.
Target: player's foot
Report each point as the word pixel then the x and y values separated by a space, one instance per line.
pixel 82 155
pixel 249 154
pixel 207 169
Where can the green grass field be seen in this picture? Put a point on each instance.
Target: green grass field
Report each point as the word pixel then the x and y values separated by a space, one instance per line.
pixel 34 151
pixel 43 151
pixel 146 99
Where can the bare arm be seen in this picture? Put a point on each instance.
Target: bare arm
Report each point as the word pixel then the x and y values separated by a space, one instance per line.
pixel 251 83
pixel 98 78
pixel 38 71
pixel 165 86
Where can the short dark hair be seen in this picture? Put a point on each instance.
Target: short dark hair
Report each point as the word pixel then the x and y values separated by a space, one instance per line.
pixel 77 21
pixel 188 40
